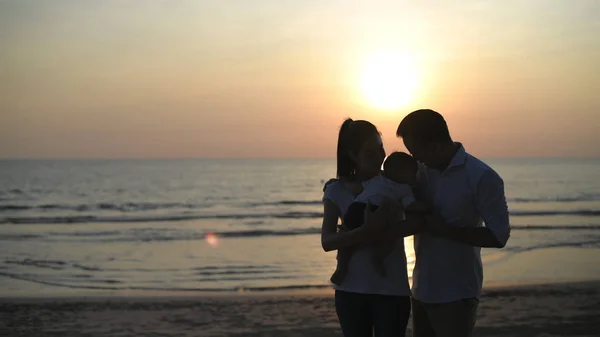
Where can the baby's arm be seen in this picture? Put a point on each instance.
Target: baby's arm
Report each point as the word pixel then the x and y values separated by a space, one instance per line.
pixel 355 215
pixel 385 246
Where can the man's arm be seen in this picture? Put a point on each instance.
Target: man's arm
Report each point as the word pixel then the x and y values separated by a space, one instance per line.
pixel 474 236
pixel 491 205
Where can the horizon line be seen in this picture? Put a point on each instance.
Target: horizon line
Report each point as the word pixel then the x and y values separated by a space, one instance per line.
pixel 250 158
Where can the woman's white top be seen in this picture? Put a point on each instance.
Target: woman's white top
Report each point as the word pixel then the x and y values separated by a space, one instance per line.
pixel 362 277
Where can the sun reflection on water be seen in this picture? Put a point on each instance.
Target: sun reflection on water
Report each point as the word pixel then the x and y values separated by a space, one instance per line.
pixel 211 239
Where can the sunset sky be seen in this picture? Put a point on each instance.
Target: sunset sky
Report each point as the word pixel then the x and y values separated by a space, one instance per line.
pixel 225 78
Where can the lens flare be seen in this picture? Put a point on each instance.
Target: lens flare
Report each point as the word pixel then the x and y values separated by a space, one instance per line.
pixel 211 239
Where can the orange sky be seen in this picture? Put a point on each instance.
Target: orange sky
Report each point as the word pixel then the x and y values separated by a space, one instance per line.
pixel 186 78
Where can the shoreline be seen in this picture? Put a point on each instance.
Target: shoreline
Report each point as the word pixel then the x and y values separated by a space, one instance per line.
pixel 149 296
pixel 549 309
pixel 546 266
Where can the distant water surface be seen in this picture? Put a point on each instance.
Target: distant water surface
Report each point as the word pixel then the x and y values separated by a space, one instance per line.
pixel 228 225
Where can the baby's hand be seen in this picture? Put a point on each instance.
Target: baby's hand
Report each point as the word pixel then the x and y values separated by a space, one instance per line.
pixel 330 181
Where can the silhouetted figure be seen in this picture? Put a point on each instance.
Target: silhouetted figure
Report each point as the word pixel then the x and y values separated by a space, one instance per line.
pixel 465 193
pixel 365 302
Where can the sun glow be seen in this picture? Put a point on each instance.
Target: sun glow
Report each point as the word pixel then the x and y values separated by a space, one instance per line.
pixel 389 80
pixel 211 239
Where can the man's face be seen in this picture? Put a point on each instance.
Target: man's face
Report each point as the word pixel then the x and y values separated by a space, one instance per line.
pixel 424 153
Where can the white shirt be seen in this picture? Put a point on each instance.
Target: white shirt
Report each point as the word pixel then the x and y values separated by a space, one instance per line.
pixel 376 189
pixel 467 194
pixel 362 277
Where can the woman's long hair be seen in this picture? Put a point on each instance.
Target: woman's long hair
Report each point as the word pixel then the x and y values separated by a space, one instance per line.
pixel 352 136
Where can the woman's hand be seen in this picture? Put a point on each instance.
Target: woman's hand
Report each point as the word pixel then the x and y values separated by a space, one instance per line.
pixel 375 221
pixel 341 228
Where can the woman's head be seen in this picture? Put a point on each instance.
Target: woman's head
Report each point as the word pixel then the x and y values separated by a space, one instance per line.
pixel 360 151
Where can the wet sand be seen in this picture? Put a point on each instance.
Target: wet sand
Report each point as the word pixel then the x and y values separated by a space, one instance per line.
pixel 568 309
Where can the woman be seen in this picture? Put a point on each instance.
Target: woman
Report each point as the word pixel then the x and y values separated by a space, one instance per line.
pixel 365 302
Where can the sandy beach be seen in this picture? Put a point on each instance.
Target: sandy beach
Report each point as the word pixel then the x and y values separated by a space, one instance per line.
pixel 567 303
pixel 566 309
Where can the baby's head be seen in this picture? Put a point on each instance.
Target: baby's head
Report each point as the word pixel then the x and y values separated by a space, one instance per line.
pixel 401 168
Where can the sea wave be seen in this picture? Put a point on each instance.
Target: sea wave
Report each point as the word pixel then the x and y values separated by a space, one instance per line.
pixel 580 212
pixel 121 207
pixel 155 218
pixel 209 270
pixel 172 234
pixel 109 285
pixel 73 274
pixel 79 275
pixel 153 235
pixel 132 207
pixel 83 219
pixel 590 243
pixel 557 199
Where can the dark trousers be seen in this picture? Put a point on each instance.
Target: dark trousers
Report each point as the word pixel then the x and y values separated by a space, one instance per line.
pixel 452 319
pixel 361 315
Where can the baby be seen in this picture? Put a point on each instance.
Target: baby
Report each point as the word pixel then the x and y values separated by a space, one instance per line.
pixel 399 175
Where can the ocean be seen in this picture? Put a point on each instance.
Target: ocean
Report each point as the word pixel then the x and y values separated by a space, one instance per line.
pixel 230 225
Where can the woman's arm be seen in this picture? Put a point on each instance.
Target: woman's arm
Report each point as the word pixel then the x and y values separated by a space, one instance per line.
pixel 331 239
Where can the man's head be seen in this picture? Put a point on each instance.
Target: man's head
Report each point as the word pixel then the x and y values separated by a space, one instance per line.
pixel 426 136
pixel 401 168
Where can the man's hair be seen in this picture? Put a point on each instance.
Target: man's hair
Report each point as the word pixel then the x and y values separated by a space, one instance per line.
pixel 400 159
pixel 424 126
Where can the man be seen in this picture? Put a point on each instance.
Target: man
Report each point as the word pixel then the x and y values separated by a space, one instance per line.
pixel 464 193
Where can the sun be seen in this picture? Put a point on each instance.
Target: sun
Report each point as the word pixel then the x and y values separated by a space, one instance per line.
pixel 389 80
